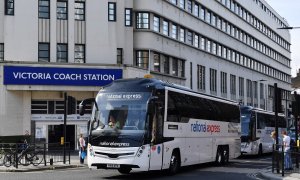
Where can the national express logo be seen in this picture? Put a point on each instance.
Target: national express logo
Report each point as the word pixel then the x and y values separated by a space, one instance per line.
pixel 209 128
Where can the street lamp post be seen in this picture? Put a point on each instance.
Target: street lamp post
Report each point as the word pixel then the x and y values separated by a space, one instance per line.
pixel 288 28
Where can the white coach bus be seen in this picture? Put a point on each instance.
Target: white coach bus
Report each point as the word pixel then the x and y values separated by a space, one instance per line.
pixel 257 125
pixel 147 124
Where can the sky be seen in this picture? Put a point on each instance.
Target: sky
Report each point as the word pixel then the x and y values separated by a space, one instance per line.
pixel 290 10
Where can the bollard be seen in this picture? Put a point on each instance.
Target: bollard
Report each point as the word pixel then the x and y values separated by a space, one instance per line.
pixel 51 161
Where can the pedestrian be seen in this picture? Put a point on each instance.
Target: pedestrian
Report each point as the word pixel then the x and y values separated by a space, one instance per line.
pixel 82 148
pixel 287 153
pixel 277 150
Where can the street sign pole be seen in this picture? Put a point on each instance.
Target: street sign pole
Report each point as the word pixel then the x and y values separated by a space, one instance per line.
pixel 65 125
pixel 296 117
pixel 276 114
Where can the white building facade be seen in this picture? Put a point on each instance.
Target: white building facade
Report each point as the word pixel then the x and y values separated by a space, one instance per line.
pixel 226 48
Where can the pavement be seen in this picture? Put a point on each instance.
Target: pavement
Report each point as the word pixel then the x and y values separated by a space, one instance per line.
pixel 288 175
pixel 74 163
pixel 265 174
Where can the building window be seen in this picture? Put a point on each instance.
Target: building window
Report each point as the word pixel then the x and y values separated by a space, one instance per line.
pixel 128 17
pixel 232 85
pixel 202 43
pixel 156 24
pixel 62 53
pixel 142 20
pixel 189 6
pixel 166 63
pixel 142 59
pixel 177 67
pixel 174 31
pixel 156 63
pixel 190 37
pixel 196 9
pixel 213 80
pixel 180 68
pixel 182 4
pixel 119 55
pixel 79 53
pixel 182 35
pixel 79 11
pixel 166 28
pixel 241 87
pixel 9 7
pixel 1 52
pixel 249 88
pixel 208 46
pixel 202 13
pixel 214 48
pixel 174 2
pixel 201 77
pixel 223 83
pixel 44 9
pixel 196 40
pixel 261 92
pixel 62 10
pixel 44 52
pixel 112 8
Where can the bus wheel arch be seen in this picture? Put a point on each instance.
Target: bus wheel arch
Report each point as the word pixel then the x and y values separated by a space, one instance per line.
pixel 175 162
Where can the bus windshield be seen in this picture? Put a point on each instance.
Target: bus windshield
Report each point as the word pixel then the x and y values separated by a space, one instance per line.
pixel 119 119
pixel 245 121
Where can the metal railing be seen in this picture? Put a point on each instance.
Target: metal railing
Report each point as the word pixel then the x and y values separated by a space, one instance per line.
pixel 15 154
pixel 285 162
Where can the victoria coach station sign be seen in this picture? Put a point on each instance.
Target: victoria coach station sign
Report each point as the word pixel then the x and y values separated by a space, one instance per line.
pixel 24 75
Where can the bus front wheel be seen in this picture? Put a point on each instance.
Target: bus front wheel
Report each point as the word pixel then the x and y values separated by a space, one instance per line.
pixel 260 150
pixel 124 170
pixel 174 163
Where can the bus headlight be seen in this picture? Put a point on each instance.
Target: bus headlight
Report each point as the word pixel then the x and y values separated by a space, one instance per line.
pixel 90 150
pixel 140 151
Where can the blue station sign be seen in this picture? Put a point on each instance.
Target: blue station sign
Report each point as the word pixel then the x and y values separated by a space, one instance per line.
pixel 24 75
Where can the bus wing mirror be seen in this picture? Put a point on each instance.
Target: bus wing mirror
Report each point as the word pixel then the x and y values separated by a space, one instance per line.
pixel 83 104
pixel 151 104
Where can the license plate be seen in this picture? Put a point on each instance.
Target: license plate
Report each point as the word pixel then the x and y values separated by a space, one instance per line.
pixel 113 166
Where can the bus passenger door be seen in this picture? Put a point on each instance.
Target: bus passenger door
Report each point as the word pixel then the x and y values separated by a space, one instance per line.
pixel 156 146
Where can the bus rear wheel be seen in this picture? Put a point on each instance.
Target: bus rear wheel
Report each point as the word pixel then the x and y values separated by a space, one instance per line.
pixel 174 163
pixel 222 156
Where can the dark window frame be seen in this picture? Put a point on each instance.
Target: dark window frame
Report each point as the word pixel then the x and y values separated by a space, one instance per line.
pixel 8 9
pixel 59 58
pixel 63 15
pixel 42 13
pixel 140 17
pixel 128 17
pixel 112 11
pixel 144 60
pixel 119 55
pixel 44 58
pixel 78 13
pixel 82 52
pixel 1 51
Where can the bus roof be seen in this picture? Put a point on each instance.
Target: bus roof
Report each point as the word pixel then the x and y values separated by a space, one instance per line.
pixel 147 85
pixel 250 108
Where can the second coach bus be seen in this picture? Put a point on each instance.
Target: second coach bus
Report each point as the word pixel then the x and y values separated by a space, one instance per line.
pixel 257 125
pixel 146 124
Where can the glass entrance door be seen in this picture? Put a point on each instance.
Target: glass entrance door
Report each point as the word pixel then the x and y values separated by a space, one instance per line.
pixel 55 132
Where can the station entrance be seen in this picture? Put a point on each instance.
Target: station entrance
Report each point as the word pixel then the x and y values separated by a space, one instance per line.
pixel 55 132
